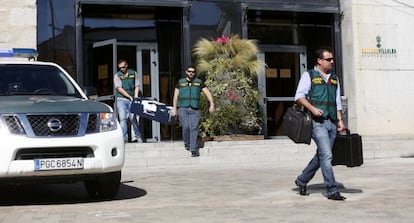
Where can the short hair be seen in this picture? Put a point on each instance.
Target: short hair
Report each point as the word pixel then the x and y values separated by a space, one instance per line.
pixel 191 66
pixel 319 52
pixel 122 61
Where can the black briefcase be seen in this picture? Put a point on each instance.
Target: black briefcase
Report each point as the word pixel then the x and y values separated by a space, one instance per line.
pixel 347 149
pixel 297 125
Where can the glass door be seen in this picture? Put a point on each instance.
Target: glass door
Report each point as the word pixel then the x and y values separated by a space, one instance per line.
pixel 147 68
pixel 277 83
pixel 142 57
pixel 104 65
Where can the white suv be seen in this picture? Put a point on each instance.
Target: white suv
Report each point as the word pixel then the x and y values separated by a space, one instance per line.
pixel 51 132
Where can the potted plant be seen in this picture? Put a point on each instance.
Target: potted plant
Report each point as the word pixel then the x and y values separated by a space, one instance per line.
pixel 230 68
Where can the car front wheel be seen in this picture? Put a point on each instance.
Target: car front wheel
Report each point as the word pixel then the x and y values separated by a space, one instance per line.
pixel 105 186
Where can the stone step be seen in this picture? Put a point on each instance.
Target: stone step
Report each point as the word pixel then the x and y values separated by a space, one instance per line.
pixel 251 152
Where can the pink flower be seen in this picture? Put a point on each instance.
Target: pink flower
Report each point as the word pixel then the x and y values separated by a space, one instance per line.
pixel 232 95
pixel 223 39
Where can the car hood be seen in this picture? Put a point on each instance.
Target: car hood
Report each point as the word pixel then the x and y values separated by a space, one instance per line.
pixel 49 104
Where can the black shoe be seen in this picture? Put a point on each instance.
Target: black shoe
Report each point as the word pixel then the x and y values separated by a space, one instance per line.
pixel 302 188
pixel 187 148
pixel 195 153
pixel 336 196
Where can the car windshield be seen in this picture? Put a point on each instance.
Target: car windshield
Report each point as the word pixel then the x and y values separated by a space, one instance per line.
pixel 30 79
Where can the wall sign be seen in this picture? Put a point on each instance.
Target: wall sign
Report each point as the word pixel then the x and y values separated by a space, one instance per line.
pixel 378 46
pixel 379 51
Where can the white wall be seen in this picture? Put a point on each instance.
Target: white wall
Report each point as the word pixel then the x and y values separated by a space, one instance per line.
pixel 379 87
pixel 18 23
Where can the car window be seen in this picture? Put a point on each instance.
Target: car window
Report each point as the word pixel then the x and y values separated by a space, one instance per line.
pixel 20 79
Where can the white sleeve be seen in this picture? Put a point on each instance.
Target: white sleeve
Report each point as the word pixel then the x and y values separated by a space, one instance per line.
pixel 304 86
pixel 117 81
pixel 338 97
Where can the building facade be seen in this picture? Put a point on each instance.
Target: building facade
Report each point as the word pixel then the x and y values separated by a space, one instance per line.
pixel 370 38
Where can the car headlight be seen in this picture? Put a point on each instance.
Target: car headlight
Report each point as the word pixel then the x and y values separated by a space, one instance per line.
pixel 11 123
pixel 108 122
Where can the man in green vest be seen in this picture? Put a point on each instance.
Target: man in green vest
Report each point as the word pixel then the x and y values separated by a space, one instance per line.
pixel 126 83
pixel 319 92
pixel 187 100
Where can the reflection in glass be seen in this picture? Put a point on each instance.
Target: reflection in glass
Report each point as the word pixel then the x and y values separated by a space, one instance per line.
pixel 214 19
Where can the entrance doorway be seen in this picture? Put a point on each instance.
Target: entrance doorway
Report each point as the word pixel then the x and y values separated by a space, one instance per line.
pixel 142 57
pixel 277 83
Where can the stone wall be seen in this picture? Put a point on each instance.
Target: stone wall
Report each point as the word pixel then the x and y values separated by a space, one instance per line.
pixel 18 23
pixel 378 66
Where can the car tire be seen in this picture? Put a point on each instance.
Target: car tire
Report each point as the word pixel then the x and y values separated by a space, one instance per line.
pixel 105 186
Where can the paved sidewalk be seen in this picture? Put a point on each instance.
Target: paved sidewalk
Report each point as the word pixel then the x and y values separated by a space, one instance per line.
pixel 380 191
pixel 253 152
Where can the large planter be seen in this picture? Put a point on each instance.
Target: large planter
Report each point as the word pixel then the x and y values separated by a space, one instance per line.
pixel 230 68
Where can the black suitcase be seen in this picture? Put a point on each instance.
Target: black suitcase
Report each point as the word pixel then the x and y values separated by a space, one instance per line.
pixel 149 108
pixel 347 150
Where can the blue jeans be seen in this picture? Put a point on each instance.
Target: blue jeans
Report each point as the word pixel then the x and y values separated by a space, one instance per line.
pixel 189 119
pixel 124 106
pixel 323 134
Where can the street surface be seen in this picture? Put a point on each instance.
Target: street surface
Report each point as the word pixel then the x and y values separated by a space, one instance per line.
pixel 381 190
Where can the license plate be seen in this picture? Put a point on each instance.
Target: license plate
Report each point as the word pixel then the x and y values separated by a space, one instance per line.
pixel 59 164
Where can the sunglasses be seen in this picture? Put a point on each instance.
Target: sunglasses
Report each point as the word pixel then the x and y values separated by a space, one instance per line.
pixel 191 71
pixel 328 59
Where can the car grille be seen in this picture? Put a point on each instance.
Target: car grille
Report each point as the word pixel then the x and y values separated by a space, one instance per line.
pixel 69 124
pixel 53 152
pixel 51 125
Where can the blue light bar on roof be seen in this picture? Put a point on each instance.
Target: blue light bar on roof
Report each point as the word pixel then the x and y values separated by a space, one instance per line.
pixel 6 52
pixel 18 52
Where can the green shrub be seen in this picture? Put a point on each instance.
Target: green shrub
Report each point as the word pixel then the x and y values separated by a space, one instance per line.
pixel 230 68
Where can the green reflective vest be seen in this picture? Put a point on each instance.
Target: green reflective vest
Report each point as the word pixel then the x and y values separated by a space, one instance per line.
pixel 189 93
pixel 323 94
pixel 128 83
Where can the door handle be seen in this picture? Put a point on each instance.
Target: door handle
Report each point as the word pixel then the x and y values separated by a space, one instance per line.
pixel 155 63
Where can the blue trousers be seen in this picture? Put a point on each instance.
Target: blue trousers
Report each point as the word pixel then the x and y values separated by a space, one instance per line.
pixel 189 119
pixel 323 134
pixel 124 112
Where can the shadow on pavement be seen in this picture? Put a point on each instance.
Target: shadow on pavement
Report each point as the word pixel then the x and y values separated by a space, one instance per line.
pixel 47 194
pixel 321 188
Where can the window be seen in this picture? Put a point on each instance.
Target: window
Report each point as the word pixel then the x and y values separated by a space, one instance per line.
pixel 214 19
pixel 56 33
